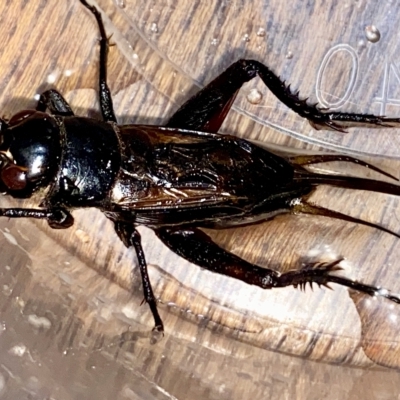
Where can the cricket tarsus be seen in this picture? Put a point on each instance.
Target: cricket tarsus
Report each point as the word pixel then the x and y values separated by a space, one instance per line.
pixel 180 177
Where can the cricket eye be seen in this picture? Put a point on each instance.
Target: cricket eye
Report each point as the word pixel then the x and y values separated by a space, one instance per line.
pixel 13 177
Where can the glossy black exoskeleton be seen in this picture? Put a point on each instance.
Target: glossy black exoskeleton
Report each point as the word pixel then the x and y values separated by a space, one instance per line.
pixel 176 178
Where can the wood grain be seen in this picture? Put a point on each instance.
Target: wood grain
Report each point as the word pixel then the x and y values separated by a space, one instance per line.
pixel 67 303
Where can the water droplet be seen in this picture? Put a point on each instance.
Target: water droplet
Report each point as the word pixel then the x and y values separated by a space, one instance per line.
pixel 2 383
pixel 129 312
pixel 18 350
pixel 382 292
pixel 361 43
pixel 39 322
pixel 121 3
pixel 10 238
pixel 261 32
pixel 51 78
pixel 154 27
pixel 246 38
pixel 20 302
pixel 372 33
pixel 254 96
pixel 65 278
pixel 289 55
pixel 7 291
pixel 82 236
pixel 393 317
pixel 214 41
pixel 33 383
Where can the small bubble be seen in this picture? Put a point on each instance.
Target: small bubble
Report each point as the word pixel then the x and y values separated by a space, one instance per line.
pixel 289 55
pixel 246 38
pixel 372 33
pixel 121 3
pixel 154 27
pixel 254 96
pixel 261 32
pixel 214 41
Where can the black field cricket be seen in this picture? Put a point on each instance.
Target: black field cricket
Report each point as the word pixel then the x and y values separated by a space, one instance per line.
pixel 179 177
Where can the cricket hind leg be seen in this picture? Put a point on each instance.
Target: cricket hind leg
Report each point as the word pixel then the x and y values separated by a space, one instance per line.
pixel 198 248
pixel 131 238
pixel 207 109
pixel 106 103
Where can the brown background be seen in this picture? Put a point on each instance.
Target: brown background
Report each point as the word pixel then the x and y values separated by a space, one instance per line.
pixel 70 327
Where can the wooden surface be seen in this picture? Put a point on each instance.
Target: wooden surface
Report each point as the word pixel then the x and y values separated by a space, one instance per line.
pixel 70 328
